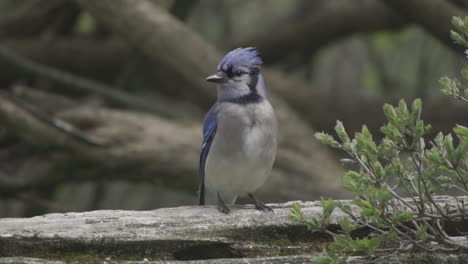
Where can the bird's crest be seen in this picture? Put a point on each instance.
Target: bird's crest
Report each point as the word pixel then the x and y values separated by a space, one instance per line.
pixel 246 57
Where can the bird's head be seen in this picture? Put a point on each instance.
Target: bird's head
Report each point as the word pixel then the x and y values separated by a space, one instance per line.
pixel 238 74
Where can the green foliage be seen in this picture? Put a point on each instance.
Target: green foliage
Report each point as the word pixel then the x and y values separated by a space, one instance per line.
pixel 86 23
pixel 461 131
pixel 419 169
pixel 403 163
pixel 382 40
pixel 453 87
pixel 371 78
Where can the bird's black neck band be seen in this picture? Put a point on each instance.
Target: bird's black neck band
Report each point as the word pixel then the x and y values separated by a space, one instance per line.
pixel 251 98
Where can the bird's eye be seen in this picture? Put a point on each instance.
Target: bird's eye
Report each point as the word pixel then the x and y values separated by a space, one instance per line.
pixel 238 73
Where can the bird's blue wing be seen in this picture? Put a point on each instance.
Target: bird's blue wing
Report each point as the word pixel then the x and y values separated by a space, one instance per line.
pixel 209 131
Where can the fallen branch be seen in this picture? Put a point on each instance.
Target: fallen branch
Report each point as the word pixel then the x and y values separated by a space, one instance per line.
pixel 32 126
pixel 12 105
pixel 97 59
pixel 163 39
pixel 80 83
pixel 152 31
pixel 181 234
pixel 159 150
pixel 307 35
pixel 30 18
pixel 87 57
pixel 182 9
pixel 434 16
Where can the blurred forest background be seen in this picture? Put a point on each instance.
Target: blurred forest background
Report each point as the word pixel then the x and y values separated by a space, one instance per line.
pixel 102 101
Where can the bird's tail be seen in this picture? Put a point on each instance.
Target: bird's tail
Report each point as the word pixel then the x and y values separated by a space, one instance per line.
pixel 201 194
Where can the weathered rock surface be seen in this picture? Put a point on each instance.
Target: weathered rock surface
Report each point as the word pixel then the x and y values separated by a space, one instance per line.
pixel 174 235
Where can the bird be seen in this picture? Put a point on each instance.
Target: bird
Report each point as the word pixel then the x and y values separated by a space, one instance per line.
pixel 240 133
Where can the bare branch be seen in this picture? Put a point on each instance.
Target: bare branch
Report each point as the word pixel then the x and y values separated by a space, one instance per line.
pixel 96 59
pixel 434 16
pixel 31 17
pixel 162 38
pixel 139 147
pixel 182 8
pixel 106 57
pixel 50 131
pixel 333 21
pixel 72 81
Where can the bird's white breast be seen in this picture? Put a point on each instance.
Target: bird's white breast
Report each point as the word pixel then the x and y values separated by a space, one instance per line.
pixel 243 150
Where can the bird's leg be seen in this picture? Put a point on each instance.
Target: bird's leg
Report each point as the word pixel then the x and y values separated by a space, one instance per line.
pixel 258 204
pixel 221 206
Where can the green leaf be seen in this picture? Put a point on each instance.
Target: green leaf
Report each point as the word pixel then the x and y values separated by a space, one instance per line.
pixel 366 133
pixel 418 130
pixel 450 87
pixel 461 130
pixel 325 260
pixel 347 161
pixel 341 132
pixel 439 139
pixel 379 170
pixel 392 235
pixel 296 212
pixel 443 179
pixel 366 144
pixel 464 73
pixel 340 243
pixel 294 217
pixel 328 207
pixel 373 213
pixel 404 216
pixel 462 151
pixel 327 139
pixel 383 196
pixel 351 181
pixel 428 128
pixel 434 156
pixel 422 233
pixel 374 243
pixel 297 207
pixel 390 113
pixel 362 203
pixel 457 37
pixel 314 224
pixel 367 208
pixel 465 23
pixel 366 245
pixel 417 108
pixel 402 110
pixel 387 148
pixel 347 226
pixel 458 22
pixel 448 144
pixel 345 208
pixel 85 23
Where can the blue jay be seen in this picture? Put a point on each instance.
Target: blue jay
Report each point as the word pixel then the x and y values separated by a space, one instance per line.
pixel 239 133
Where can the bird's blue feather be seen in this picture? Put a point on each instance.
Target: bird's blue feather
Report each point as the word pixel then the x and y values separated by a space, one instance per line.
pixel 247 57
pixel 209 131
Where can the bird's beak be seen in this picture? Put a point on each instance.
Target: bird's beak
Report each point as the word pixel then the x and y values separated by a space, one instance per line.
pixel 215 78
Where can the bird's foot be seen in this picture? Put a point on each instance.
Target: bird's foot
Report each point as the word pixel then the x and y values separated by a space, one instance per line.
pixel 221 206
pixel 259 205
pixel 223 209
